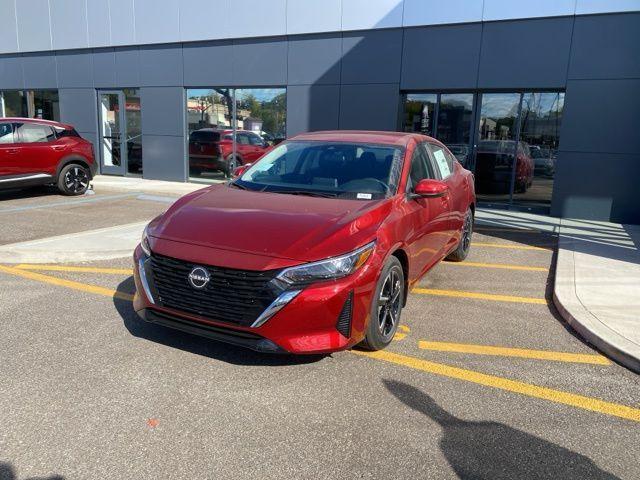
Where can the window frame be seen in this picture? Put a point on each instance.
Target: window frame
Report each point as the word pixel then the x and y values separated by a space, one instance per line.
pixel 49 138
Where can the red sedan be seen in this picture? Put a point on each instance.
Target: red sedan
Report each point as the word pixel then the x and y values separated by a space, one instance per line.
pixel 313 248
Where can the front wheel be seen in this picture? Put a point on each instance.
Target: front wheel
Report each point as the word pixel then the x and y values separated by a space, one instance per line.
pixel 73 180
pixel 386 306
pixel 462 251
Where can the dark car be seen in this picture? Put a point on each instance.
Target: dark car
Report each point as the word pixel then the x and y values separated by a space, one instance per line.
pixel 40 152
pixel 544 159
pixel 311 249
pixel 494 166
pixel 212 150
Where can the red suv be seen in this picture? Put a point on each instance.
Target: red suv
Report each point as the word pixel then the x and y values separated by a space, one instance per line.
pixel 212 150
pixel 311 249
pixel 40 152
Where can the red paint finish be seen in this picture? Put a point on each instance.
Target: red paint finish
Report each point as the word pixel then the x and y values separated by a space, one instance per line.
pixel 20 157
pixel 250 230
pixel 211 149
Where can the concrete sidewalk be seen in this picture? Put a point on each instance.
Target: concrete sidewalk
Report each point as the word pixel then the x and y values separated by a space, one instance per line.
pixel 597 286
pixel 103 183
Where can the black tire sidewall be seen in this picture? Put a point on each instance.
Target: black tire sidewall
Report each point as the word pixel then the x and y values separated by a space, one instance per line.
pixel 373 338
pixel 61 184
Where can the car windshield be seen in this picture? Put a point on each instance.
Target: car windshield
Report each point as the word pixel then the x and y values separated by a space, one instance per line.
pixel 345 170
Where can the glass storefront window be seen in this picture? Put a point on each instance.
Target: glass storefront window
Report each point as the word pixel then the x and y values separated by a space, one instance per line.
pixel 30 104
pixel 454 124
pixel 230 127
pixel 419 113
pixel 540 121
pixel 496 148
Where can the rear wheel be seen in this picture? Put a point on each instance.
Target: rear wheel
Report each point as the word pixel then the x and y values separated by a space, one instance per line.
pixel 232 162
pixel 73 179
pixel 460 253
pixel 386 306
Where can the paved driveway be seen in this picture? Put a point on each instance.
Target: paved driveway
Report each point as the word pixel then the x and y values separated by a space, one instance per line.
pixel 484 380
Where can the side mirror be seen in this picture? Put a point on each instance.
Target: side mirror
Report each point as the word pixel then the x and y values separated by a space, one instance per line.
pixel 429 188
pixel 240 170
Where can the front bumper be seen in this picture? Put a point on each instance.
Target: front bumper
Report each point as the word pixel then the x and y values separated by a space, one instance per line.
pixel 308 324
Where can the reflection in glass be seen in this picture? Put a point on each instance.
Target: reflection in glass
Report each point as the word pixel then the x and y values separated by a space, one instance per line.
pixel 454 124
pixel 133 120
pixel 260 122
pixel 496 148
pixel 110 129
pixel 30 104
pixel 540 131
pixel 419 113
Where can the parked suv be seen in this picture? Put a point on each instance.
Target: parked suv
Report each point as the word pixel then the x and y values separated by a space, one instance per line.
pixel 40 152
pixel 212 150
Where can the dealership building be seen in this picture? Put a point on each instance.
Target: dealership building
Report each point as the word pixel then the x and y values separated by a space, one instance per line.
pixel 540 98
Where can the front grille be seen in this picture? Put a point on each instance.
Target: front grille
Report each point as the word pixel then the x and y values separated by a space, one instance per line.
pixel 234 296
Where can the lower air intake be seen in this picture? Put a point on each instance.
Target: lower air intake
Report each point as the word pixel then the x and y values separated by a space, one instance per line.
pixel 344 319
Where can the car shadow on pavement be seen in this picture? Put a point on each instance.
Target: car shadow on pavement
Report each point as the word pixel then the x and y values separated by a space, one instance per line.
pixel 198 345
pixel 7 472
pixel 494 450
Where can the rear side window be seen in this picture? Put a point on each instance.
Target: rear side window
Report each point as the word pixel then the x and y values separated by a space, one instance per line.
pixel 6 133
pixel 34 133
pixel 65 132
pixel 255 140
pixel 205 136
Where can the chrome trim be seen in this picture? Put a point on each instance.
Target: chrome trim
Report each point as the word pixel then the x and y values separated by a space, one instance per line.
pixel 278 304
pixel 143 279
pixel 29 177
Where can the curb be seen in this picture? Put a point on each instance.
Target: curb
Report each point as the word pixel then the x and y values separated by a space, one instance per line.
pixel 609 342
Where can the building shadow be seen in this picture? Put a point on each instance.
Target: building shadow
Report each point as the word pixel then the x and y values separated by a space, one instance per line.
pixel 7 472
pixel 492 450
pixel 198 345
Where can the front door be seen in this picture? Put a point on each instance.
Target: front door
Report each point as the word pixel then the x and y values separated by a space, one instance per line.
pixel 113 154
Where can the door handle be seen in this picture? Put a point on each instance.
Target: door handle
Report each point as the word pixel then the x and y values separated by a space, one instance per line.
pixel 12 150
pixel 57 148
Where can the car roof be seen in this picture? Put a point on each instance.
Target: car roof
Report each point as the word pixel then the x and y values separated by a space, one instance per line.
pixel 363 136
pixel 35 120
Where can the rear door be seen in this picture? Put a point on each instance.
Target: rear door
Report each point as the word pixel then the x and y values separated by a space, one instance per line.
pixel 449 170
pixel 8 148
pixel 39 152
pixel 243 147
pixel 259 146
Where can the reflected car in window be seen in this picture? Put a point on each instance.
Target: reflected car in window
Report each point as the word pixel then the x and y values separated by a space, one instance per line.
pixel 494 164
pixel 544 160
pixel 40 152
pixel 461 152
pixel 212 150
pixel 313 248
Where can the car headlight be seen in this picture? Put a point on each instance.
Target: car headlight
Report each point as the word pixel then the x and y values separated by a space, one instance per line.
pixel 144 242
pixel 329 269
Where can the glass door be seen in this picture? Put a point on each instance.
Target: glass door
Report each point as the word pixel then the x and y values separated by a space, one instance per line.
pixel 455 118
pixel 113 157
pixel 498 157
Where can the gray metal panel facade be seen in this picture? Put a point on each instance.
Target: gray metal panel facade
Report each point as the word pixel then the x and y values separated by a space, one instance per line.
pixel 443 57
pixel 527 54
pixel 355 79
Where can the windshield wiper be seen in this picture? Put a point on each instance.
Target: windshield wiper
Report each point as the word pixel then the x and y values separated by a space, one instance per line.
pixel 306 192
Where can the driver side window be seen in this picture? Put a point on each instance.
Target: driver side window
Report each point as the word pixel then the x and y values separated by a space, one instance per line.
pixel 420 167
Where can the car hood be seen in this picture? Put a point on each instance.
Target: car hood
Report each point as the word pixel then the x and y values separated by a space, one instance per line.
pixel 285 226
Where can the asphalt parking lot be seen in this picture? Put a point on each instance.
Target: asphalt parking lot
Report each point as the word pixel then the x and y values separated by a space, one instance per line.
pixel 484 380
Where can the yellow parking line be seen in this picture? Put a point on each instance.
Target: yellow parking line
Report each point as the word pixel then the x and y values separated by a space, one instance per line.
pixel 507 229
pixel 591 358
pixel 552 395
pixel 84 287
pixel 479 296
pixel 62 268
pixel 404 328
pixel 512 247
pixel 497 265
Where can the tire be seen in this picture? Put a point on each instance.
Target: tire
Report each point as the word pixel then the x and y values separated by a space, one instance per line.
pixel 391 286
pixel 231 164
pixel 73 179
pixel 462 250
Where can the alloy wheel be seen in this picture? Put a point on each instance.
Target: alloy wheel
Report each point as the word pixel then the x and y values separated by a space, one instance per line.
pixel 467 231
pixel 76 180
pixel 389 304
